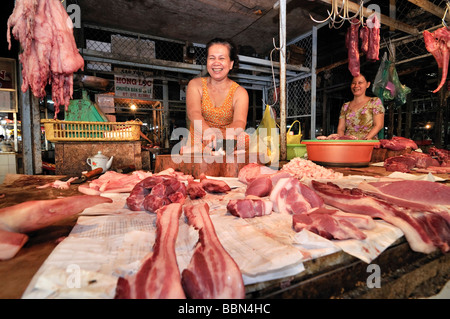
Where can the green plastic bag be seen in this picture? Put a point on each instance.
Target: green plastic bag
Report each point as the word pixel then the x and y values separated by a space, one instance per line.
pixel 387 85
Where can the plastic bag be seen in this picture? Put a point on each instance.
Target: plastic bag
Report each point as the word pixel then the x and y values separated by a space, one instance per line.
pixel 265 140
pixel 387 85
pixel 294 138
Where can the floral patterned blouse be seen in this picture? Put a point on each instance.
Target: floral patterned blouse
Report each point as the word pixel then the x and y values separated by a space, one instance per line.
pixel 360 122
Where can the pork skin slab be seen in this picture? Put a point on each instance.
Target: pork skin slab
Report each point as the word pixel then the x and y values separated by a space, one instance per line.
pixel 159 275
pixel 11 243
pixel 424 231
pixel 212 273
pixel 421 195
pixel 33 215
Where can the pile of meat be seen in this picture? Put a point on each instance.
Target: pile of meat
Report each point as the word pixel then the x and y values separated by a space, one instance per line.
pixel 50 54
pixel 302 168
pixel 369 34
pixel 435 161
pixel 397 143
pixel 166 187
pixel 419 208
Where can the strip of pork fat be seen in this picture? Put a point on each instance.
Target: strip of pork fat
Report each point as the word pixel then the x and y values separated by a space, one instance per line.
pixel 11 243
pixel 159 275
pixel 37 214
pixel 212 273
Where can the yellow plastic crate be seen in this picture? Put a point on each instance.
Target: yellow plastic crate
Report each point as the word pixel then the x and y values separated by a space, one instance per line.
pixel 75 131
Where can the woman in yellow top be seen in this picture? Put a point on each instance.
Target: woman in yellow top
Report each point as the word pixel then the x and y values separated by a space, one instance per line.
pixel 362 117
pixel 217 106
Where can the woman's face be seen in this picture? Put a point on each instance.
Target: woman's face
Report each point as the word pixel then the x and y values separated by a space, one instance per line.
pixel 359 85
pixel 218 61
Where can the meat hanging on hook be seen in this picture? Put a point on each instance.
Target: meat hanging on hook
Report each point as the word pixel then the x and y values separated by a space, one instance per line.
pixel 49 52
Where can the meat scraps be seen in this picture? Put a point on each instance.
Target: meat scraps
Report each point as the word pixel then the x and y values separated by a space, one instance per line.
pixel 212 273
pixel 50 54
pixel 158 276
pixel 156 191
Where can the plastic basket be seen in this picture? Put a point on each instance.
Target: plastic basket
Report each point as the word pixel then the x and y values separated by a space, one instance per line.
pixel 295 150
pixel 75 131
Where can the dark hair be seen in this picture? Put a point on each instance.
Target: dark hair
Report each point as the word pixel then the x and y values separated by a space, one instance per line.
pixel 231 48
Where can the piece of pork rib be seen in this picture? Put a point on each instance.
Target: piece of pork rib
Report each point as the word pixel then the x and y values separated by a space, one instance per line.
pixel 159 275
pixel 212 273
pixel 249 207
pixel 293 197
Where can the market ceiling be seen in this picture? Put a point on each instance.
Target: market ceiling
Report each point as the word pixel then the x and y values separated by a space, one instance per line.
pixel 252 23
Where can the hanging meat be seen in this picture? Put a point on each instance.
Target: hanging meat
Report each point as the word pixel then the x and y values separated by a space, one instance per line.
pixel 49 52
pixel 373 30
pixel 437 43
pixel 352 43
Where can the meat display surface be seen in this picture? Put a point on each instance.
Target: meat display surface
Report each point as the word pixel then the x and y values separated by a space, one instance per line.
pixel 424 231
pixel 159 276
pixel 212 273
pixel 50 54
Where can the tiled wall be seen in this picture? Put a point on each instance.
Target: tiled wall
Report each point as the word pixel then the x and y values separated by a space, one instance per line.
pixel 7 164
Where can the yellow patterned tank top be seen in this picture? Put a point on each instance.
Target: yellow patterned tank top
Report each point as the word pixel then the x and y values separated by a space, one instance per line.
pixel 217 117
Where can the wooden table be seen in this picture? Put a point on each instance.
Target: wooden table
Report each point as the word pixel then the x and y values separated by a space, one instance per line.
pixel 405 273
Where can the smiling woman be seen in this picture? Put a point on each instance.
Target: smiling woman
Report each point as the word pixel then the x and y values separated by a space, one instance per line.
pixel 216 106
pixel 362 117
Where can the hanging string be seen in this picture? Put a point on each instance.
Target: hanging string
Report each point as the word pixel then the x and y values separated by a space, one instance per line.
pixel 273 72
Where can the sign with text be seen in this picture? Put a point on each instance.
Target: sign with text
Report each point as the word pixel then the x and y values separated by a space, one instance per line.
pixel 134 87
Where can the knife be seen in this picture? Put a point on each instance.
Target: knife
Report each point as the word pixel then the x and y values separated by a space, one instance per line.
pixel 228 145
pixel 86 176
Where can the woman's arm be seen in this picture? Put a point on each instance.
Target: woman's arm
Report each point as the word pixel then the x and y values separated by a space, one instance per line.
pixel 378 123
pixel 341 127
pixel 240 111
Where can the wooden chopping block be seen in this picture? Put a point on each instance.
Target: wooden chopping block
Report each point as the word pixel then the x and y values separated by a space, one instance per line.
pixel 223 166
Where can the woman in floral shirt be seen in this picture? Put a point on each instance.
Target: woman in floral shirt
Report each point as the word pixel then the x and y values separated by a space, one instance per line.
pixel 362 117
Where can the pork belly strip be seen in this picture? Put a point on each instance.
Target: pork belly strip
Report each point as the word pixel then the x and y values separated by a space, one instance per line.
pixel 424 231
pixel 11 243
pixel 37 214
pixel 212 273
pixel 159 275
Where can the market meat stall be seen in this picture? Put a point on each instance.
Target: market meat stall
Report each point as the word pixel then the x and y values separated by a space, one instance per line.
pixel 334 274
